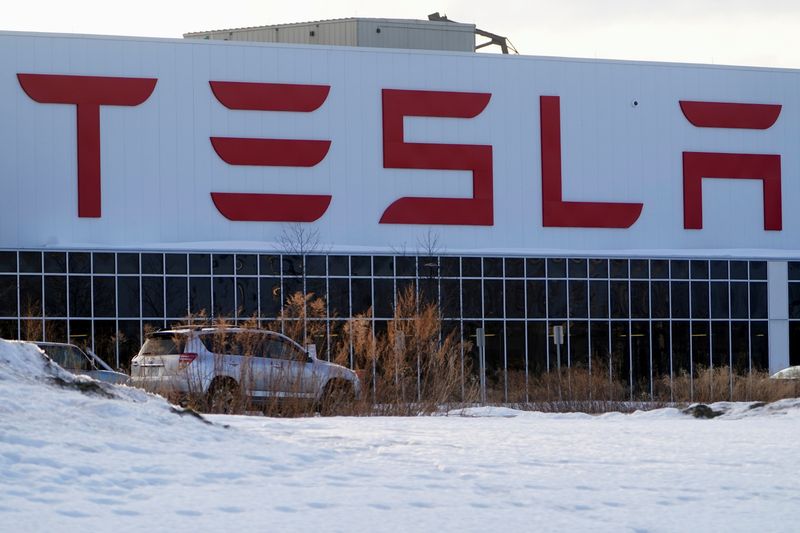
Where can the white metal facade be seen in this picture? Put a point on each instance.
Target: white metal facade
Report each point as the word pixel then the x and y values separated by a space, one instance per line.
pixel 159 168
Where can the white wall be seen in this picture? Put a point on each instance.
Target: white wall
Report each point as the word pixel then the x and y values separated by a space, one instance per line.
pixel 158 167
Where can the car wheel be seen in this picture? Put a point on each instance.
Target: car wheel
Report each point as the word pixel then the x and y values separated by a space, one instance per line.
pixel 223 396
pixel 336 397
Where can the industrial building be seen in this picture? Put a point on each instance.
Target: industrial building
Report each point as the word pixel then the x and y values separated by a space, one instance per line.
pixel 645 207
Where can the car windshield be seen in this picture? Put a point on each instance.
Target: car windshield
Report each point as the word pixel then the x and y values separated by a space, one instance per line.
pixel 68 357
pixel 164 344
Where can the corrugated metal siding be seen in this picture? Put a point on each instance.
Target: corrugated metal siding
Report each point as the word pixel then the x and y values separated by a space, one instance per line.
pixel 417 35
pixel 336 32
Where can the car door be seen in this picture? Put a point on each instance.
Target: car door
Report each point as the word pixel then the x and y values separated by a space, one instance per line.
pixel 290 372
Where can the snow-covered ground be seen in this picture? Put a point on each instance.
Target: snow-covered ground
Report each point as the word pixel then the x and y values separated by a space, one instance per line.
pixel 77 461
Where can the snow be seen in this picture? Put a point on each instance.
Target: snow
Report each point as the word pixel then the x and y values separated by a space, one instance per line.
pixel 76 461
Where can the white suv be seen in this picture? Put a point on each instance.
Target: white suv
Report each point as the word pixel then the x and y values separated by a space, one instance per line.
pixel 219 362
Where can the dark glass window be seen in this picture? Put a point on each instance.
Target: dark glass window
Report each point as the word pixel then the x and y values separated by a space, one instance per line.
pixel 451 298
pixel 578 298
pixel 515 352
pixel 578 344
pixel 200 295
pixel 493 298
pixel 719 299
pixel 640 299
pixel 659 300
pixel 317 286
pixel 8 262
pixel 128 296
pixel 224 305
pixel 660 343
pixel 639 269
pixel 720 347
pixel 271 299
pixel 177 305
pixel 292 286
pixel 794 343
pixel 246 264
pixel 701 357
pixel 55 262
pixel 739 303
pixel 534 268
pixel 153 296
pixel 719 270
pixel 269 265
pixel 361 265
pixel 80 296
pixel 199 264
pixel 292 265
pixel 738 269
pixel 362 295
pixel 794 270
pixel 339 304
pixel 127 263
pixel 492 267
pixel 598 268
pixel 55 296
pixel 680 348
pixel 104 263
pixel 659 269
pixel 246 297
pixel 384 298
pixel 8 329
pixel 794 300
pixel 759 343
pixel 599 348
pixel 316 265
pixel 515 267
pixel 471 267
pixel 30 262
pixel 640 357
pixel 699 299
pixel 680 299
pixel 699 269
pixel 740 344
pixel 620 353
pixel 8 296
pixel 537 346
pixel 556 268
pixel 222 264
pixel 619 268
pixel 105 296
pixel 30 295
pixel 537 298
pixel 472 298
pixel 428 267
pixel 338 265
pixel 152 264
pixel 619 299
pixel 176 263
pixel 556 299
pixel 80 263
pixel 577 268
pixel 598 298
pixel 679 269
pixel 451 267
pixel 515 298
pixel 758 300
pixel 758 270
pixel 384 265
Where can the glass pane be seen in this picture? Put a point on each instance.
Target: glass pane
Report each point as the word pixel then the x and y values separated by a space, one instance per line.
pixel 738 269
pixel 758 270
pixel 679 269
pixel 759 342
pixel 339 304
pixel 598 299
pixel 152 264
pixel 720 355
pixel 680 348
pixel 659 269
pixel 30 295
pixel 537 347
pixel 30 262
pixel 620 354
pixel 739 299
pixel 406 266
pixel 153 296
pixel 659 301
pixel 361 265
pixel 719 299
pixel 292 265
pixel 271 299
pixel 758 300
pixel 619 299
pixel 339 265
pixel 200 296
pixel 104 263
pixel 492 267
pixel 619 268
pixel 105 297
pixel 699 299
pixel 639 269
pixel 177 294
pixel 719 270
pixel 680 299
pixel 384 265
pixel 8 296
pixel 80 263
pixel 660 343
pixel 598 268
pixel 128 293
pixel 701 357
pixel 269 265
pixel 556 268
pixel 640 299
pixel 451 267
pixel 699 269
pixel 362 295
pixel 127 263
pixel 794 300
pixel 578 298
pixel 224 304
pixel 537 298
pixel 740 343
pixel 55 296
pixel 577 268
pixel 471 267
pixel 80 296
pixel 556 299
pixel 176 263
pixel 578 344
pixel 384 298
pixel 794 270
pixel 534 268
pixel 515 298
pixel 451 298
pixel 246 264
pixel 55 262
pixel 199 264
pixel 493 298
pixel 640 357
pixel 222 264
pixel 472 297
pixel 515 267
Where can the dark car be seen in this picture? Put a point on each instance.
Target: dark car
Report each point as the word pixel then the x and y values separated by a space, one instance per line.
pixel 71 358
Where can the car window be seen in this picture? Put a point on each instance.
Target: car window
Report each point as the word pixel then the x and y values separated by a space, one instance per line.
pixel 164 344
pixel 281 349
pixel 68 357
pixel 247 343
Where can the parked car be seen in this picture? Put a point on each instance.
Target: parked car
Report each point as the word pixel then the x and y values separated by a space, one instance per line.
pixel 71 358
pixel 223 363
pixel 793 372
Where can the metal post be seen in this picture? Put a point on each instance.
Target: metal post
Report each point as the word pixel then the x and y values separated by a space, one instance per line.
pixel 481 336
